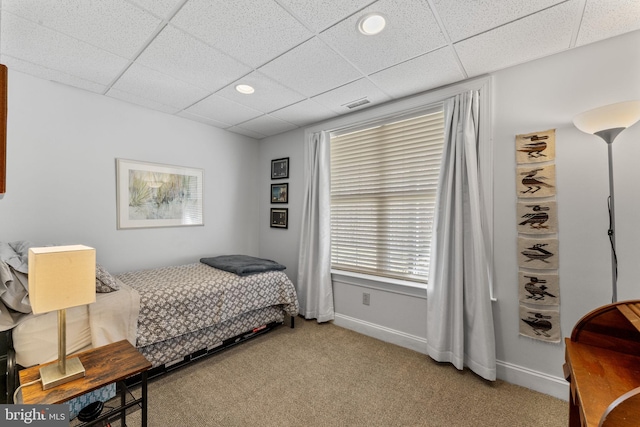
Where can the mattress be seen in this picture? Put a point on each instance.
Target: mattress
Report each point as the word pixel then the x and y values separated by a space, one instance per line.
pixel 179 300
pixel 167 313
pixel 173 350
pixel 36 341
pixel 111 318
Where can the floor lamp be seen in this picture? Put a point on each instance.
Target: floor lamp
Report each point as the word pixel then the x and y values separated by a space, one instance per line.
pixel 607 122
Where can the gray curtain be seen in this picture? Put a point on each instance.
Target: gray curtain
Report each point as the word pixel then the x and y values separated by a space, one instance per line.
pixel 459 313
pixel 315 292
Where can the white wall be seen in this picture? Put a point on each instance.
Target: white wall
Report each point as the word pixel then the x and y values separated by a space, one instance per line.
pixel 276 243
pixel 537 96
pixel 61 187
pixel 547 94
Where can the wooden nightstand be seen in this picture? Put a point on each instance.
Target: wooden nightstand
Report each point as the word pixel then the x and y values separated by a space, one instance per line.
pixel 105 365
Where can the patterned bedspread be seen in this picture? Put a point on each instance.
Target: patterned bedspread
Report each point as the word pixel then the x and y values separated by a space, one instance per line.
pixel 181 299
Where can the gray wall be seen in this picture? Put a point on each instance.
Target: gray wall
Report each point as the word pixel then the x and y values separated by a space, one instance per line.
pixel 276 243
pixel 61 149
pixel 540 95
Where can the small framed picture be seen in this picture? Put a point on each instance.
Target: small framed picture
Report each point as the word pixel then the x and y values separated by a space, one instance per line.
pixel 279 193
pixel 280 168
pixel 279 218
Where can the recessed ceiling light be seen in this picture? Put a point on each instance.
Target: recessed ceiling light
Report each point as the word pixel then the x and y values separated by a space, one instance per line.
pixel 371 24
pixel 245 89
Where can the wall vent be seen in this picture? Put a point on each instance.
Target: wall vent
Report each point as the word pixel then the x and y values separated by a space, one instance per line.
pixel 357 103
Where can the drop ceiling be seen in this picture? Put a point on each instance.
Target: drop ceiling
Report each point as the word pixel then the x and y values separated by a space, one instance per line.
pixel 305 58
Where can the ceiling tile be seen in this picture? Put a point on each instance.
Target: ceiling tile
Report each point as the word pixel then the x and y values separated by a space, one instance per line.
pixel 337 99
pixel 464 18
pixel 180 55
pixel 304 113
pixel 205 120
pixel 311 68
pixel 134 99
pixel 268 96
pixel 223 110
pixel 33 43
pixel 255 31
pixel 411 31
pixel 161 8
pixel 535 36
pixel 14 64
pixel 161 88
pixel 320 14
pixel 606 18
pixel 419 74
pixel 116 26
pixel 305 58
pixel 267 125
pixel 246 132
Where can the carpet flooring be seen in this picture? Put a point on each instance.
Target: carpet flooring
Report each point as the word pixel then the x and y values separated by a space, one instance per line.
pixel 323 375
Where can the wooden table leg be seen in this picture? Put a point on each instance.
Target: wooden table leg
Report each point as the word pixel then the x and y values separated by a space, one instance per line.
pixel 574 412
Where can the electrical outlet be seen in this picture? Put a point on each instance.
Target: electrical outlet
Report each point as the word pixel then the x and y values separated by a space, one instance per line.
pixel 366 298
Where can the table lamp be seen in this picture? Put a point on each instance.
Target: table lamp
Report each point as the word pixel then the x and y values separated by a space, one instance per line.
pixel 61 277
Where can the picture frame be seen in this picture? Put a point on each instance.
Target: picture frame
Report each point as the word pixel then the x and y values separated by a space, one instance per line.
pixel 3 129
pixel 158 195
pixel 280 168
pixel 280 193
pixel 279 218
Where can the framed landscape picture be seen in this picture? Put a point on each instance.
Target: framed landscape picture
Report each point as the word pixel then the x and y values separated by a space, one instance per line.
pixel 156 195
pixel 279 193
pixel 280 168
pixel 279 218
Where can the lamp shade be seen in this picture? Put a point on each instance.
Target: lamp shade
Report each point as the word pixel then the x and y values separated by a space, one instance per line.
pixel 613 116
pixel 61 277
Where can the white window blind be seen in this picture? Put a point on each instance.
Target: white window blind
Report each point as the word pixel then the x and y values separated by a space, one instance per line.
pixel 383 190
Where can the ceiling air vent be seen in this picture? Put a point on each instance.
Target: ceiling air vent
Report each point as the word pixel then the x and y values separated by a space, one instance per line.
pixel 357 103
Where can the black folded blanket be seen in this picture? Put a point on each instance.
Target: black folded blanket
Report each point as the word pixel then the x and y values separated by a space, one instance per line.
pixel 242 265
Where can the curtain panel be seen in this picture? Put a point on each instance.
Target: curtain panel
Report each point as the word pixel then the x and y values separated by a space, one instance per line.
pixel 459 313
pixel 315 290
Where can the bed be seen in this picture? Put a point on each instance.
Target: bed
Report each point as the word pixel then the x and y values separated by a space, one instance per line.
pixel 172 315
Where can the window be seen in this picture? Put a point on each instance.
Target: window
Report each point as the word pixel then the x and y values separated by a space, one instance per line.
pixel 383 190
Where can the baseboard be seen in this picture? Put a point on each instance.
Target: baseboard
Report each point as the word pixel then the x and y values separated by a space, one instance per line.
pixel 514 374
pixel 382 333
pixel 534 380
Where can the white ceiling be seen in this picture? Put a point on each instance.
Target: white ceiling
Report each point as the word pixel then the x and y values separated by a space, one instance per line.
pixel 305 58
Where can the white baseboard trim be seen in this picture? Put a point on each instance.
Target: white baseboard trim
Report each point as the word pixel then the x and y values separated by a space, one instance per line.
pixel 535 380
pixel 382 333
pixel 514 374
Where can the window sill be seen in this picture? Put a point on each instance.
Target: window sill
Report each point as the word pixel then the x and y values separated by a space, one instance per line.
pixel 385 284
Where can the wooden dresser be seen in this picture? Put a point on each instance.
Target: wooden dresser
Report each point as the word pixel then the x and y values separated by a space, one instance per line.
pixel 603 367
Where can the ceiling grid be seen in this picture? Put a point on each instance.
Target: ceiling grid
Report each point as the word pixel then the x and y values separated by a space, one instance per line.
pixel 305 58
